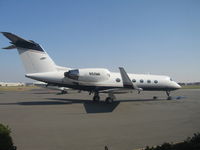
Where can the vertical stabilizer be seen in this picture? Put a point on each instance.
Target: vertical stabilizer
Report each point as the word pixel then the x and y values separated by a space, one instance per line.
pixel 33 56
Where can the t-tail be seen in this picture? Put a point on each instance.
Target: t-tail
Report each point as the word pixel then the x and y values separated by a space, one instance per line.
pixel 33 56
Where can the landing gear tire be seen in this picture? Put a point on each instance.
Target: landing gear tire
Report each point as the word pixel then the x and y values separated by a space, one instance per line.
pixel 64 92
pixel 96 98
pixel 109 100
pixel 169 98
pixel 155 97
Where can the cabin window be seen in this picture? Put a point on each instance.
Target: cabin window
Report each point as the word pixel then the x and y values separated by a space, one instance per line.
pixel 148 81
pixel 156 81
pixel 141 81
pixel 118 80
pixel 133 80
pixel 171 79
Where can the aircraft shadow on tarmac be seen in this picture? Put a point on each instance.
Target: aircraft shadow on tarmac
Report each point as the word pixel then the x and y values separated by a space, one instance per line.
pixel 89 105
pixel 96 107
pixel 99 107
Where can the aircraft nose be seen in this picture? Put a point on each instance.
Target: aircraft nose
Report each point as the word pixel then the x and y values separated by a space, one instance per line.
pixel 177 86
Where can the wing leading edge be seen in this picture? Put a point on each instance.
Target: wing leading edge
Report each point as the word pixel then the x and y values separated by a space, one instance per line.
pixel 127 83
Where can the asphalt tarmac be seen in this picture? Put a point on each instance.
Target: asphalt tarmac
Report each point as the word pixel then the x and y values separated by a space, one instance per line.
pixel 42 120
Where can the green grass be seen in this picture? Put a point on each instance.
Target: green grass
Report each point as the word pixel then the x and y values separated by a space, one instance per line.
pixel 17 88
pixel 191 143
pixel 191 87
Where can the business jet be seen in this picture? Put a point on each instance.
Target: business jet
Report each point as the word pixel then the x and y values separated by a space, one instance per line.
pixel 39 66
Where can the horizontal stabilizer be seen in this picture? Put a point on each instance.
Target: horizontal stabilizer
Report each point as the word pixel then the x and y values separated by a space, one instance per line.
pixel 12 37
pixel 21 43
pixel 10 47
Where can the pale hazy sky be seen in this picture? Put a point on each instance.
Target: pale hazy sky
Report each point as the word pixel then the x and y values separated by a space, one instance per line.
pixel 144 36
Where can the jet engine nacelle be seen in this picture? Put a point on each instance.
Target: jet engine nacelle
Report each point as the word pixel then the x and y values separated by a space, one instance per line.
pixel 88 75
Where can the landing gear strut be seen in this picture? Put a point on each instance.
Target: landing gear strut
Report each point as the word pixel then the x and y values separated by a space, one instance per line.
pixel 168 95
pixel 96 97
pixel 108 100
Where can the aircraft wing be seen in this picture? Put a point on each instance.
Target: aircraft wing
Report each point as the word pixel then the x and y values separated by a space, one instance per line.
pixel 128 85
pixel 117 91
pixel 125 79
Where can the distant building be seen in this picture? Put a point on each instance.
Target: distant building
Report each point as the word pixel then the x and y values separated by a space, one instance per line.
pixel 197 83
pixel 11 84
pixel 189 83
pixel 182 84
pixel 29 84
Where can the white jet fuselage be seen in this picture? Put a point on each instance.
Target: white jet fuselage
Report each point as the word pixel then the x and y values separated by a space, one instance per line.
pixel 102 79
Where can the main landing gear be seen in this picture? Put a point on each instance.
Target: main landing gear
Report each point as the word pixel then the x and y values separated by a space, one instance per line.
pixel 168 95
pixel 108 100
pixel 96 97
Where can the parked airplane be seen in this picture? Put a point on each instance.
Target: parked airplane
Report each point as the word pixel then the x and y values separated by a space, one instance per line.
pixel 39 66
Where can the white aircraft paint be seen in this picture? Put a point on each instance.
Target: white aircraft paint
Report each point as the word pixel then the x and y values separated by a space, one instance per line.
pixel 39 66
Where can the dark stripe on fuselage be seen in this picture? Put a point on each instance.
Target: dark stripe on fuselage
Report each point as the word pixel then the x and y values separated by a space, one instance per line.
pixel 101 88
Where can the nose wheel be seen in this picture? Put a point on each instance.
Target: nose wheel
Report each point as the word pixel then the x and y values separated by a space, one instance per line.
pixel 168 95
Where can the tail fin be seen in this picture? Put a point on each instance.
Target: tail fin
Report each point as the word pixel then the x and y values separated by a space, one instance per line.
pixel 33 56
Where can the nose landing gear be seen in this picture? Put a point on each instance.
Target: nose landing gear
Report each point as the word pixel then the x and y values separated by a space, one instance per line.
pixel 168 95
